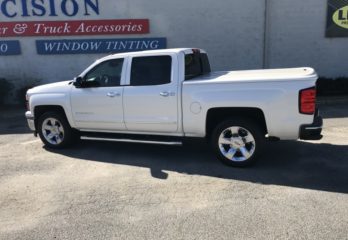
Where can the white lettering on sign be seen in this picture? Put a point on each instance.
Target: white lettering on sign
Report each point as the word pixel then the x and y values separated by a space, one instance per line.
pixel 3 48
pixel 132 45
pixel 72 46
pixel 3 30
pixel 94 46
pixel 41 28
pixel 75 27
pixel 87 46
pixel 129 28
pixel 8 48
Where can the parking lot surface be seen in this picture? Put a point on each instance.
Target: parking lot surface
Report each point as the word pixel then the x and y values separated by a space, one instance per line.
pixel 100 190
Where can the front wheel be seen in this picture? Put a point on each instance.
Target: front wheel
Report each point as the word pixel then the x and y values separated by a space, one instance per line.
pixel 237 141
pixel 54 130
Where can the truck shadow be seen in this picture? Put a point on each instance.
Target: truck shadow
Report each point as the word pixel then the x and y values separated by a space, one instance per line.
pixel 287 163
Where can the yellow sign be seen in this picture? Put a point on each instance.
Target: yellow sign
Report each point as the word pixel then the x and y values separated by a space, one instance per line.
pixel 340 17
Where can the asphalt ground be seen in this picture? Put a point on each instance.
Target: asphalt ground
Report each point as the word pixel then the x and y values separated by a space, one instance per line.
pixel 101 190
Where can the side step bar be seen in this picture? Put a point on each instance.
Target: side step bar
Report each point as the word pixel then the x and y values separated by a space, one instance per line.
pixel 95 138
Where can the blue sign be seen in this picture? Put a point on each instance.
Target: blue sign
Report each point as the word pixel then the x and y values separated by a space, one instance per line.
pixel 87 46
pixel 9 48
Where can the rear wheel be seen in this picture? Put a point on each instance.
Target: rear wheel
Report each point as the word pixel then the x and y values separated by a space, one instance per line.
pixel 238 141
pixel 54 130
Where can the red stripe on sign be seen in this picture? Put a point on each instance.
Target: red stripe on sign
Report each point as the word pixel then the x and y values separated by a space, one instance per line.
pixel 71 28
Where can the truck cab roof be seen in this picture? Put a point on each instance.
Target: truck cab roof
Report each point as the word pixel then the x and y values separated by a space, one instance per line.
pixel 151 52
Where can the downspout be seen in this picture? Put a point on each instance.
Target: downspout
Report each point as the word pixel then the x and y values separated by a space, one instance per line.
pixel 266 27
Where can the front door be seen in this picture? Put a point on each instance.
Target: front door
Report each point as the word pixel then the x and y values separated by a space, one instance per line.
pixel 151 99
pixel 98 104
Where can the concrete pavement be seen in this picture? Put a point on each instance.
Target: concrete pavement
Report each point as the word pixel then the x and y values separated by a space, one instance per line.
pixel 97 190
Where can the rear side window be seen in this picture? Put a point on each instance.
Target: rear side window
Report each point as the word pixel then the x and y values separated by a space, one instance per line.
pixel 154 70
pixel 196 64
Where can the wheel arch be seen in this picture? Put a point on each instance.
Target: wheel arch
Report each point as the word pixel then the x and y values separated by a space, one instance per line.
pixel 217 115
pixel 41 109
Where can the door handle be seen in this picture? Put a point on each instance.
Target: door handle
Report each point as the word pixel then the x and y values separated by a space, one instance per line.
pixel 164 94
pixel 167 94
pixel 113 94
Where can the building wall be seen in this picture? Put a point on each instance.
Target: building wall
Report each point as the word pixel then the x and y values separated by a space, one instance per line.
pixel 297 38
pixel 231 31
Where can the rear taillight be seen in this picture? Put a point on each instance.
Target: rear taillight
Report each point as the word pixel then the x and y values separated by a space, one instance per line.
pixel 307 100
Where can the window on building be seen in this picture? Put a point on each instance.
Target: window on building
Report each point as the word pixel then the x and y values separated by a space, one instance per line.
pixel 154 70
pixel 105 74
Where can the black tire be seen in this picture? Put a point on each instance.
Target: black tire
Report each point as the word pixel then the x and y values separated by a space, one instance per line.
pixel 61 130
pixel 240 149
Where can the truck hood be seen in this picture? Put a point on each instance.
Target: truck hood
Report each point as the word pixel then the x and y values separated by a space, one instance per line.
pixel 57 87
pixel 259 75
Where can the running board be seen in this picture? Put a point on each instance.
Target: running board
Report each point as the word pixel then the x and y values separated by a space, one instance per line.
pixel 171 143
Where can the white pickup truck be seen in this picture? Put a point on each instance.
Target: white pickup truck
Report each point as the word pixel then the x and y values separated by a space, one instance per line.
pixel 164 96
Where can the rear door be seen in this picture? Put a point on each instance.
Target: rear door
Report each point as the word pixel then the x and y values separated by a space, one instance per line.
pixel 151 98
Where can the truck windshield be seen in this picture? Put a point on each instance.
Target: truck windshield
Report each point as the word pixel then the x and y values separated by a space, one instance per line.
pixel 196 64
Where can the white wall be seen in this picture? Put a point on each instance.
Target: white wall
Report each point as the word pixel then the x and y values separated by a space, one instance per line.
pixel 297 38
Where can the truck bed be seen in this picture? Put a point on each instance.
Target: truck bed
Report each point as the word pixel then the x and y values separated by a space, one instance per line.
pixel 275 92
pixel 257 75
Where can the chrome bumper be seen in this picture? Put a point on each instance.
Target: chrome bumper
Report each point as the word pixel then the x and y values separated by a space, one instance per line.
pixel 31 121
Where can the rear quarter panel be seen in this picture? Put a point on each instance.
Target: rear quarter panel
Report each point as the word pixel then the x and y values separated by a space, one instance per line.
pixel 279 101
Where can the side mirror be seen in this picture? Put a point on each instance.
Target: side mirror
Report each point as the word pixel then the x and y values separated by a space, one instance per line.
pixel 78 82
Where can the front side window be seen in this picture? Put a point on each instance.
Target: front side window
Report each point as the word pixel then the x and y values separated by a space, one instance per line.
pixel 105 74
pixel 154 70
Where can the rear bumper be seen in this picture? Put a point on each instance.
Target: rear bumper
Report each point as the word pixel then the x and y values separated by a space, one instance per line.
pixel 312 131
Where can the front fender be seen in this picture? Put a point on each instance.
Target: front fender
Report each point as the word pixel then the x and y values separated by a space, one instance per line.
pixel 52 99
